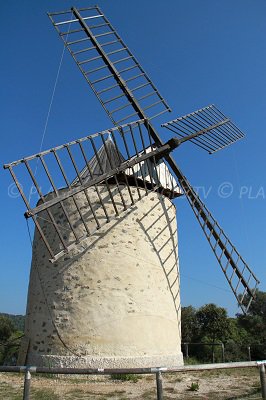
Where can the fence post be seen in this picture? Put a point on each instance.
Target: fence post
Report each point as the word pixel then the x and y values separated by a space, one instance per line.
pixel 263 381
pixel 186 350
pixel 249 353
pixel 27 381
pixel 159 385
pixel 223 356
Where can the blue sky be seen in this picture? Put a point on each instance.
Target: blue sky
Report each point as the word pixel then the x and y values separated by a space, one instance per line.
pixel 196 53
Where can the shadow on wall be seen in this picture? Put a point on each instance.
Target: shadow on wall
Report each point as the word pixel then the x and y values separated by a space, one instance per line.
pixel 164 242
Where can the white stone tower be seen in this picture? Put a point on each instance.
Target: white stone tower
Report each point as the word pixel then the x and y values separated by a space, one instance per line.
pixel 113 301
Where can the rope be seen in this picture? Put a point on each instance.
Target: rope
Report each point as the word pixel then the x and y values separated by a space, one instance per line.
pixel 50 107
pixel 28 228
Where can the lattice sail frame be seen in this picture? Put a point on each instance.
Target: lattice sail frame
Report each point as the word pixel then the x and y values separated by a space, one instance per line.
pixel 102 56
pixel 207 128
pixel 134 161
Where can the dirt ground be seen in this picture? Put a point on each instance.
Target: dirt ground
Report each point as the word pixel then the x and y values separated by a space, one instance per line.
pixel 239 384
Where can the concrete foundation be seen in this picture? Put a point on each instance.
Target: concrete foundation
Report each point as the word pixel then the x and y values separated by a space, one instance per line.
pixel 113 301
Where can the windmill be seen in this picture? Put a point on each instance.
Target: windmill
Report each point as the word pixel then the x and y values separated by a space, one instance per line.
pixel 104 284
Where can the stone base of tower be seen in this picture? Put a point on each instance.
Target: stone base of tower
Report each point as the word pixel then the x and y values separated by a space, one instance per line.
pixel 105 362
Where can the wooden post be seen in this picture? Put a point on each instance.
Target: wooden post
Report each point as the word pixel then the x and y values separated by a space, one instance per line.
pixel 27 382
pixel 263 381
pixel 249 353
pixel 223 356
pixel 213 358
pixel 159 385
pixel 186 350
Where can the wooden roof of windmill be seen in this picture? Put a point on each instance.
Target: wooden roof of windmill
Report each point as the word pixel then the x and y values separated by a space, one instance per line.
pixel 109 157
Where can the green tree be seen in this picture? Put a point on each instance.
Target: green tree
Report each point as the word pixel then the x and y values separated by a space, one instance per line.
pixel 258 306
pixel 213 328
pixel 213 323
pixel 210 324
pixel 6 328
pixel 254 323
pixel 17 320
pixel 236 345
pixel 189 324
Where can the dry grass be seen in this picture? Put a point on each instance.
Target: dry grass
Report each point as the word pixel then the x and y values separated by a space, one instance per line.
pixel 238 384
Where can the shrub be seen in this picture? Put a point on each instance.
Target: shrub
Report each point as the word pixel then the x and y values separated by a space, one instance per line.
pixel 125 377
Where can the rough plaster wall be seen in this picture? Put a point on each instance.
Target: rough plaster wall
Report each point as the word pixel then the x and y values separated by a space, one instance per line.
pixel 114 300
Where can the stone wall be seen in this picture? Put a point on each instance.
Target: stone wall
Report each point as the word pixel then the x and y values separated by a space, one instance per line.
pixel 113 301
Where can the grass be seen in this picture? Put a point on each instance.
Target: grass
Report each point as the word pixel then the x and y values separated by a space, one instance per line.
pixel 15 393
pixel 239 384
pixel 150 377
pixel 75 394
pixel 149 395
pixel 49 394
pixel 125 377
pixel 194 387
pixel 116 393
pixel 169 389
pixel 10 393
pixel 247 396
pixel 44 394
pixel 78 393
pixel 191 361
pixel 174 377
pixel 237 373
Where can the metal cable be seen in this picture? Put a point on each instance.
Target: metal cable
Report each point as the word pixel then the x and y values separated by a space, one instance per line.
pixel 49 108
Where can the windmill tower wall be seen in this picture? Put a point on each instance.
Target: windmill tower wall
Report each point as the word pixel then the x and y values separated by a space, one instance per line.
pixel 113 301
